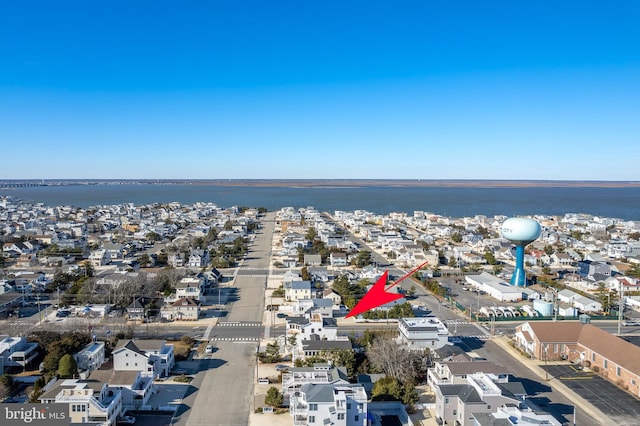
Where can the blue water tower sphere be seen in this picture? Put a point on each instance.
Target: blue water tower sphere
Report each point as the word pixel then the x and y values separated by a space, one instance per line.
pixel 520 231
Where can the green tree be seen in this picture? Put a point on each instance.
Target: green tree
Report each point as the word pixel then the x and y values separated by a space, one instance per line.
pixel 153 236
pixel 606 297
pixel 634 271
pixel 452 262
pixel 228 225
pixel 548 250
pixel 67 367
pixel 274 397
pixel 304 274
pixel 386 389
pixel 456 237
pixel 7 385
pixel 144 260
pixel 311 234
pixel 490 258
pixel 363 258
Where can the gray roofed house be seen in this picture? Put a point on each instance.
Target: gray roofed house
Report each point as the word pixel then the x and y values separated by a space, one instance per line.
pixel 148 356
pixel 316 346
pixel 457 403
pixel 312 259
pixel 296 290
pixel 318 374
pixel 327 404
pixel 456 372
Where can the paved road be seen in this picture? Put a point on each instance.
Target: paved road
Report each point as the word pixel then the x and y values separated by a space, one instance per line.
pixel 559 405
pixel 225 385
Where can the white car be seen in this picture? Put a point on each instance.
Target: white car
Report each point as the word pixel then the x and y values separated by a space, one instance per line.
pixel 631 322
pixel 208 349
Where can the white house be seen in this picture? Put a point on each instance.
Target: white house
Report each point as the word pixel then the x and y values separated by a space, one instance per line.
pixel 198 258
pixel 191 287
pixel 295 378
pixel 322 404
pixel 91 357
pixel 147 356
pixel 337 259
pixel 296 290
pixel 183 309
pixel 100 257
pixel 16 352
pixel 422 333
pixel 89 401
pixel 583 304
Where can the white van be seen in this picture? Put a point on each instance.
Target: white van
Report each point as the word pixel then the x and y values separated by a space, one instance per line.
pixel 208 349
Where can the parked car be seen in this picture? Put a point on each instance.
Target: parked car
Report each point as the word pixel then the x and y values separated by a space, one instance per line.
pixel 282 367
pixel 631 322
pixel 127 420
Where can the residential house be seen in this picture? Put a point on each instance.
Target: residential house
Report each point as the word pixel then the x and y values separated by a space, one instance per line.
pixel 316 324
pixel 146 356
pixel 90 401
pixel 115 250
pixel 136 386
pixel 191 287
pixel 322 404
pixel 175 260
pixel 589 268
pixel 296 290
pixel 332 295
pixel 100 257
pixel 576 300
pixel 140 307
pixel 183 309
pixel 422 333
pixel 312 260
pixel 296 377
pixel 16 352
pixel 198 258
pixel 91 357
pixel 511 414
pixel 316 346
pixel 561 259
pixel 338 259
pixel 457 404
pixel 456 372
pixel 323 307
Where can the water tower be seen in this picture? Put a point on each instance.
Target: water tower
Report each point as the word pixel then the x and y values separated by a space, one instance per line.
pixel 520 231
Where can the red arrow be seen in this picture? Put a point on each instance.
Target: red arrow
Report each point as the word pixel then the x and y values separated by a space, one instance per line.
pixel 378 295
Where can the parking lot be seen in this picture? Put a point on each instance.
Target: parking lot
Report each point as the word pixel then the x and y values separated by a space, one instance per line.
pixel 152 420
pixel 604 395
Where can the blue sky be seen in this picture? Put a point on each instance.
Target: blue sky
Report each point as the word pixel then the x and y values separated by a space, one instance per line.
pixel 320 89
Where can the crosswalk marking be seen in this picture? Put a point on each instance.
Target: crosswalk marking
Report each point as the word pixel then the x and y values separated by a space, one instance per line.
pixel 236 339
pixel 458 322
pixel 477 336
pixel 239 324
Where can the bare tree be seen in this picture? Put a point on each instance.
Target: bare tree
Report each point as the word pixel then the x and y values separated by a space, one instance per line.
pixel 394 360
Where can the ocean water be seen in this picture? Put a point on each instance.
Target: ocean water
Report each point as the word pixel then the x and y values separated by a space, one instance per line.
pixel 621 203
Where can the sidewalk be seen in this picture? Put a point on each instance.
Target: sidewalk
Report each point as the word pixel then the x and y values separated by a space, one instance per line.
pixel 536 367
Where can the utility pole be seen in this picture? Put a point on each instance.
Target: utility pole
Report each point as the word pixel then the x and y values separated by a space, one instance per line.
pixel 620 308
